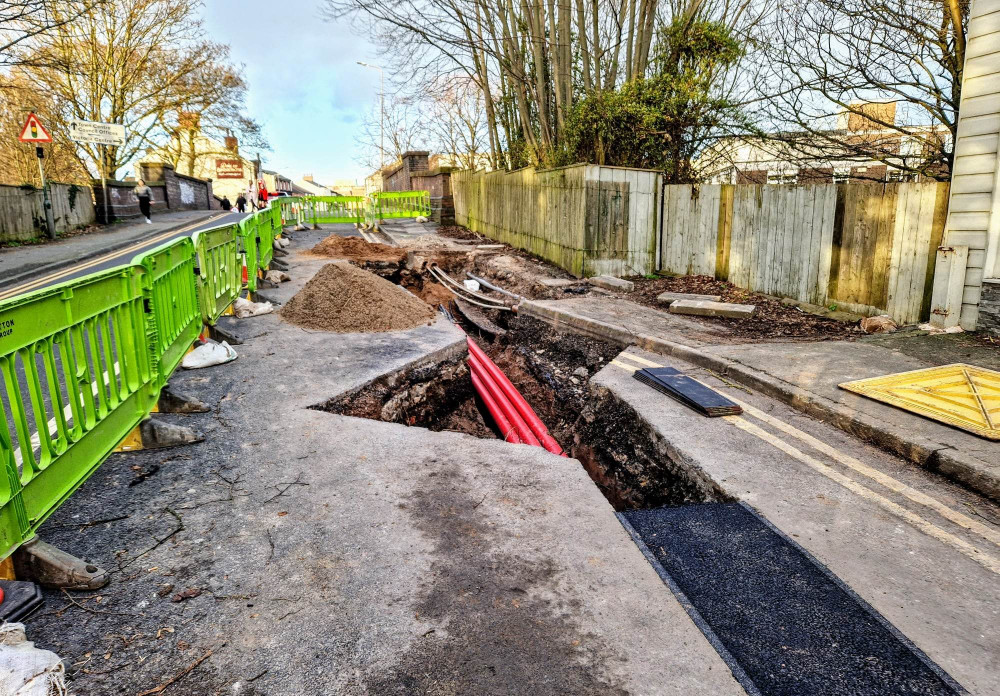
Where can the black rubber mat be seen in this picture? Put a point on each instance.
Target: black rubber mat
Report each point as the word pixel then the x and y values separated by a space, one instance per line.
pixel 784 623
pixel 691 393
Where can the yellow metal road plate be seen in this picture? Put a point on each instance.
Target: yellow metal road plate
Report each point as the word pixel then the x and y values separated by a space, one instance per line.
pixel 965 396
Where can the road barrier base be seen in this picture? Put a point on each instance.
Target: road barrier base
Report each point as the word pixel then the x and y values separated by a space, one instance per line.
pixel 49 566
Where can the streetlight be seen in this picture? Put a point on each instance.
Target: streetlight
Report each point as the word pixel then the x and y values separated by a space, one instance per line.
pixel 381 127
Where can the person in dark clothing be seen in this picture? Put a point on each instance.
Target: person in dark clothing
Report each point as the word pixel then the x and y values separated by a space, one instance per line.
pixel 226 205
pixel 145 196
pixel 241 203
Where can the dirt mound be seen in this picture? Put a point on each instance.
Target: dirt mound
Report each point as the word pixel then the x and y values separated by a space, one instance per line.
pixel 345 299
pixel 771 319
pixel 356 249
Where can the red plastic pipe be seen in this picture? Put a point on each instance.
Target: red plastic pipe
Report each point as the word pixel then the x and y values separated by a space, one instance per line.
pixel 515 398
pixel 522 429
pixel 510 434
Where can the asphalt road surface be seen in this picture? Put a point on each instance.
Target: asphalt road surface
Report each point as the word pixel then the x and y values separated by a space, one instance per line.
pixel 44 279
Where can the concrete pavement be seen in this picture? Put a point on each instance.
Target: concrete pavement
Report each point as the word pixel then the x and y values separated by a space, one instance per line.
pixel 806 375
pixel 337 555
pixel 921 551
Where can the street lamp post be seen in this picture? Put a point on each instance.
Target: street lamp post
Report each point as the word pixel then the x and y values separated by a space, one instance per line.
pixel 381 128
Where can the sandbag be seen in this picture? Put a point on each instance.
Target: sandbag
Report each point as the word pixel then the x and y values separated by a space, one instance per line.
pixel 208 354
pixel 277 277
pixel 282 242
pixel 245 308
pixel 880 324
pixel 26 670
pixel 421 219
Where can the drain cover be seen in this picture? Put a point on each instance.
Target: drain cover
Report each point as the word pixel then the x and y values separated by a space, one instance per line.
pixel 964 396
pixel 689 392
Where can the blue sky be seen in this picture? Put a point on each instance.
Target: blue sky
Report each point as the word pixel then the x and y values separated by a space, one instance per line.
pixel 305 87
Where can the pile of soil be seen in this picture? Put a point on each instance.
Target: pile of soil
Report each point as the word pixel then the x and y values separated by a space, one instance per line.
pixel 357 249
pixel 459 232
pixel 772 318
pixel 344 299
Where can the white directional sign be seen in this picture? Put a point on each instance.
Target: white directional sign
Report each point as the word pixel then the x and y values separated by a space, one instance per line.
pixel 94 132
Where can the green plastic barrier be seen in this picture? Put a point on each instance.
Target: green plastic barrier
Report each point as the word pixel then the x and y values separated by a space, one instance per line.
pixel 77 377
pixel 220 272
pixel 83 362
pixel 247 233
pixel 172 299
pixel 403 204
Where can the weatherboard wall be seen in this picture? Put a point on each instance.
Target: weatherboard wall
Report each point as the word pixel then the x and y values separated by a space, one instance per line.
pixel 974 208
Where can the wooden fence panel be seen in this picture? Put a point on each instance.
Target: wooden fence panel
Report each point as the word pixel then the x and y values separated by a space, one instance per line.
pixel 865 247
pixel 22 211
pixel 586 219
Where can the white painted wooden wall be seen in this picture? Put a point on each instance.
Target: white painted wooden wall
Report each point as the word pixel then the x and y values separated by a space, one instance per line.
pixel 974 207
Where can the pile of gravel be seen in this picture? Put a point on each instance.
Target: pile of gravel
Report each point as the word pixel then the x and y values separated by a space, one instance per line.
pixel 345 299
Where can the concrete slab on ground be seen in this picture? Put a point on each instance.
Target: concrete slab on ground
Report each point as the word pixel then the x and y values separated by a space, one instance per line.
pixel 667 298
pixel 710 308
pixel 805 374
pixel 612 283
pixel 922 551
pixel 341 555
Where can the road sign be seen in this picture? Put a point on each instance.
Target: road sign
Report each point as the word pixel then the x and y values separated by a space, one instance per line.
pixel 34 132
pixel 95 132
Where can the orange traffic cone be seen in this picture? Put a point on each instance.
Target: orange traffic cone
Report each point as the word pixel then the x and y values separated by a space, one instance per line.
pixel 246 275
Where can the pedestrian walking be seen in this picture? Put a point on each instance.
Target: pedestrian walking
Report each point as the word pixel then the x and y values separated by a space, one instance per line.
pixel 241 203
pixel 226 205
pixel 145 196
pixel 252 195
pixel 262 196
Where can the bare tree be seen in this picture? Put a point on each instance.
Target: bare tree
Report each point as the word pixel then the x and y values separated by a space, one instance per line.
pixel 864 80
pixel 403 127
pixel 138 63
pixel 21 20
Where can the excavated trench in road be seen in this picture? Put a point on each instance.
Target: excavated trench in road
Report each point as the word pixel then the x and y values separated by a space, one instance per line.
pixel 631 464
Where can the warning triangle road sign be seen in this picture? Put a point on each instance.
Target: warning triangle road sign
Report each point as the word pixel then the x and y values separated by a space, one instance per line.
pixel 34 132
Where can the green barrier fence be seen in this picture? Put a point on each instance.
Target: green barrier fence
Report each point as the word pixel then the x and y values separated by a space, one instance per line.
pixel 172 299
pixel 220 270
pixel 77 378
pixel 83 362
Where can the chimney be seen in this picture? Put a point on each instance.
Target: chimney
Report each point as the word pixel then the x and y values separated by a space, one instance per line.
pixel 188 120
pixel 232 144
pixel 307 177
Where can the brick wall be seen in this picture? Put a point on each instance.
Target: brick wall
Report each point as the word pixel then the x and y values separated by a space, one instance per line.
pixel 438 183
pixel 989 308
pixel 171 191
pixel 398 177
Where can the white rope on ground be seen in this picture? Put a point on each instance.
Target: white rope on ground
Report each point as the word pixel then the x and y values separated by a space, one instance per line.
pixel 447 278
pixel 466 299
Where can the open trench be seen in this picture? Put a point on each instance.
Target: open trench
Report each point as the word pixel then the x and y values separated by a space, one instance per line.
pixel 631 464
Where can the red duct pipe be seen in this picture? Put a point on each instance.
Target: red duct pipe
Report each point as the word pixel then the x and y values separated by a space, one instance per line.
pixel 510 434
pixel 511 392
pixel 522 429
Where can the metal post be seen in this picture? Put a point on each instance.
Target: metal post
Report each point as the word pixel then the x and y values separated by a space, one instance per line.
pixel 104 182
pixel 381 149
pixel 50 222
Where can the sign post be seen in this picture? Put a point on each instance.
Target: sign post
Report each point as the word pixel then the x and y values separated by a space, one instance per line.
pixel 34 132
pixel 103 134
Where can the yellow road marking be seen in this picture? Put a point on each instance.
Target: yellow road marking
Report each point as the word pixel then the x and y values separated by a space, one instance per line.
pixel 964 547
pixel 45 280
pixel 850 462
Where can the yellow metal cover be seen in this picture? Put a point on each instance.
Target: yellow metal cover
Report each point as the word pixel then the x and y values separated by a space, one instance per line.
pixel 965 396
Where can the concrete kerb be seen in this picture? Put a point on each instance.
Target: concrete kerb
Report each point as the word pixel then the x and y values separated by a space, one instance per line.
pixel 948 462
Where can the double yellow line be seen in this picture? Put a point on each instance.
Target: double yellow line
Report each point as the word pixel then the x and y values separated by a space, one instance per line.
pixel 131 249
pixel 912 494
